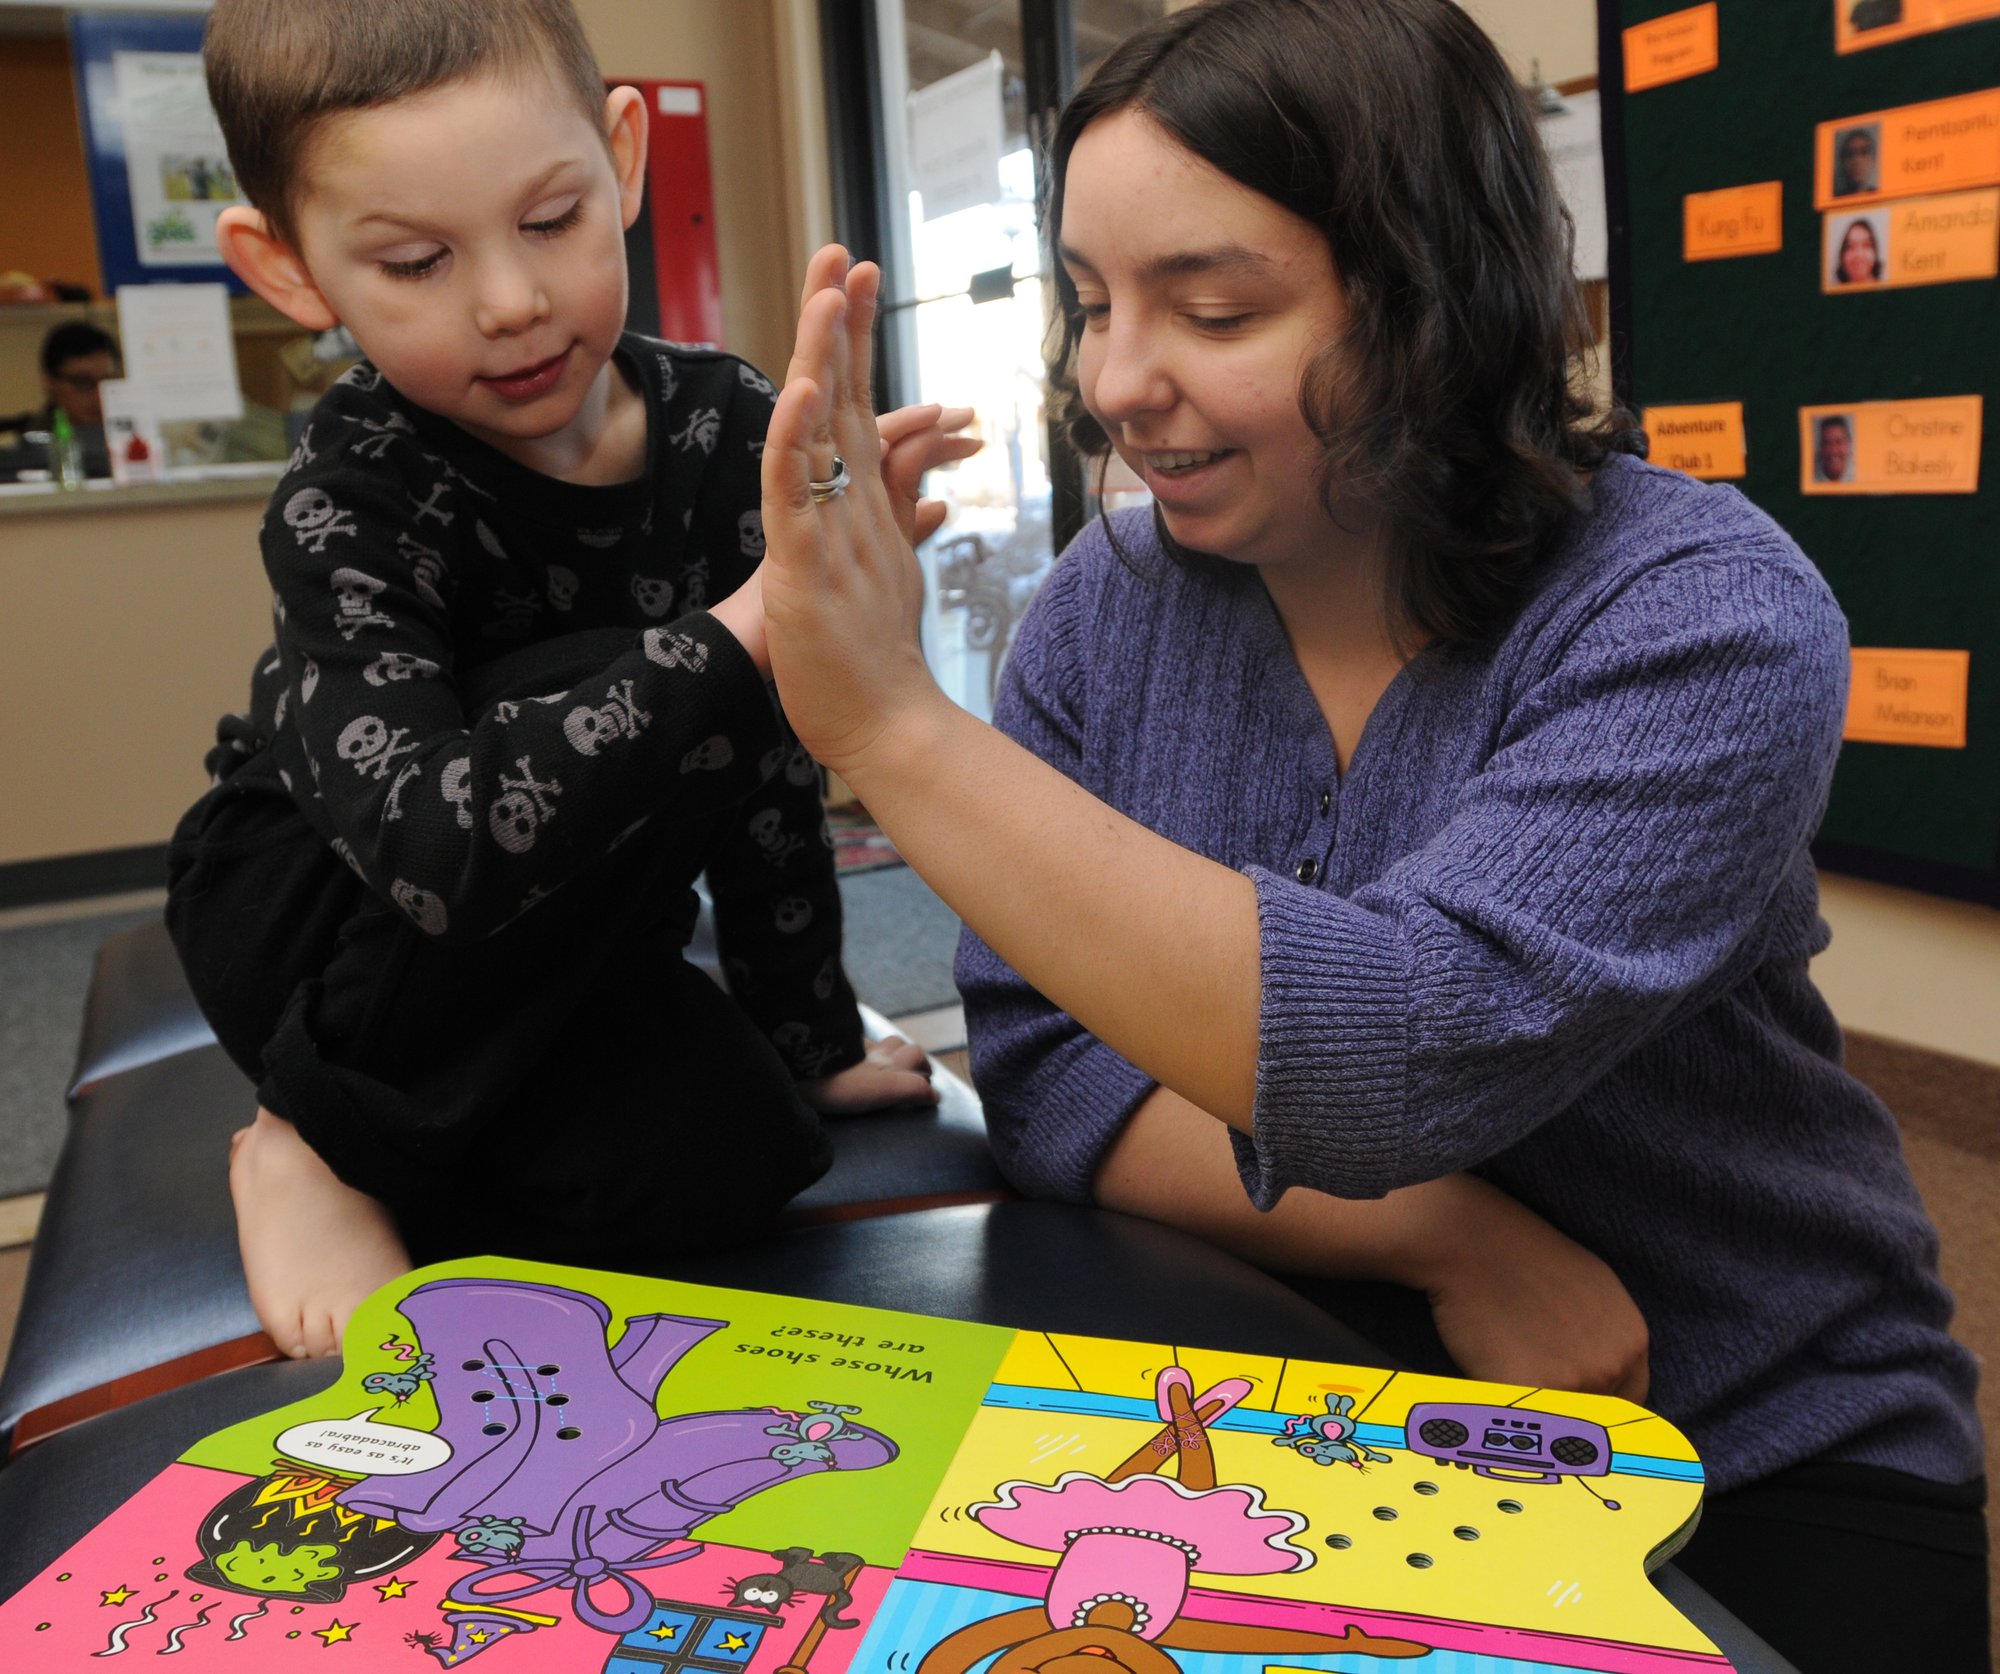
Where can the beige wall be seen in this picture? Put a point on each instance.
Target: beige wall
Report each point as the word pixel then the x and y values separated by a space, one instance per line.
pixel 126 633
pixel 1559 34
pixel 1912 967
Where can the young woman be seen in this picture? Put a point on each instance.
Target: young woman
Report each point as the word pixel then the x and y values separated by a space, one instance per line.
pixel 1393 848
pixel 1859 261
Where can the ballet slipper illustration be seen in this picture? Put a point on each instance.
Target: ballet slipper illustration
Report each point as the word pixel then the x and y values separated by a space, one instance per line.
pixel 1185 1438
pixel 1130 1543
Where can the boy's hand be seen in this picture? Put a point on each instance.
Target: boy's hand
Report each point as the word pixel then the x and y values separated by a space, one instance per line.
pixel 916 440
pixel 742 613
pixel 1516 1301
pixel 893 1073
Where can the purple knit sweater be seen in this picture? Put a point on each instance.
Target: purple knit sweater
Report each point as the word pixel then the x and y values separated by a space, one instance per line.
pixel 1552 926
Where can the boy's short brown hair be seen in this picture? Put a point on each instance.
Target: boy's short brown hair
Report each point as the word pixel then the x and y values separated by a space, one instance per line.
pixel 278 68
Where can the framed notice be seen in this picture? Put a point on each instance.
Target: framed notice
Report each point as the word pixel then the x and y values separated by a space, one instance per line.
pixel 159 175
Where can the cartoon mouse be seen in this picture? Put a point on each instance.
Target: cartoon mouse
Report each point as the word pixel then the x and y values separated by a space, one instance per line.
pixel 809 1437
pixel 1327 1437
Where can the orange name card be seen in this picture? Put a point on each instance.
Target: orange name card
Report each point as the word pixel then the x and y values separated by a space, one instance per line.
pixel 1704 441
pixel 1908 697
pixel 1860 24
pixel 1945 145
pixel 1672 48
pixel 1736 221
pixel 1914 241
pixel 1891 447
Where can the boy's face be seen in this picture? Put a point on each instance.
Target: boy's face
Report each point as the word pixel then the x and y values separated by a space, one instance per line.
pixel 472 239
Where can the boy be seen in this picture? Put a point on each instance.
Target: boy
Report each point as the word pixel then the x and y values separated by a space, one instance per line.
pixel 436 899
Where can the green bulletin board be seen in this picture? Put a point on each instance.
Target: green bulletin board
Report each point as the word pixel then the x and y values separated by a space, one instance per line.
pixel 1910 570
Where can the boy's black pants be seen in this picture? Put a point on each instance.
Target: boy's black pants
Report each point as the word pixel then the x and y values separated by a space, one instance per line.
pixel 570 1089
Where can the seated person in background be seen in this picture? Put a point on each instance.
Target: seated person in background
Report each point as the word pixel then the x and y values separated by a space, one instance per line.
pixel 435 903
pixel 76 357
pixel 1403 824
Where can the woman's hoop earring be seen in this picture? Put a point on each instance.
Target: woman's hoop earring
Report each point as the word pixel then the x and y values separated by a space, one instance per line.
pixel 834 486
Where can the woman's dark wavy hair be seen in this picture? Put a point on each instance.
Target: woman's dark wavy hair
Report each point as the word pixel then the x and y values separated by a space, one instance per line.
pixel 1453 402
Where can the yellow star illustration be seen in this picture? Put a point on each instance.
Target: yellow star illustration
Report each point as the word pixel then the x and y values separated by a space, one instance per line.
pixel 665 1631
pixel 392 1589
pixel 336 1633
pixel 118 1594
pixel 477 1637
pixel 735 1642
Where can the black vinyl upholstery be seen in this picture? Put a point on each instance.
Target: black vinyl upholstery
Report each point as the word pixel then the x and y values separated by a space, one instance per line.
pixel 136 1260
pixel 138 1010
pixel 135 1263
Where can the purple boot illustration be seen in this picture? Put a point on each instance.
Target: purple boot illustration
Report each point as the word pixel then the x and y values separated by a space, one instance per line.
pixel 562 1473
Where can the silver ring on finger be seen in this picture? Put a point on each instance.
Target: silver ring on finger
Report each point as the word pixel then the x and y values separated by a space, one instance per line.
pixel 833 486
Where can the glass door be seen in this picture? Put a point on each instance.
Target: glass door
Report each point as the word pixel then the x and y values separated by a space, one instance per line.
pixel 966 304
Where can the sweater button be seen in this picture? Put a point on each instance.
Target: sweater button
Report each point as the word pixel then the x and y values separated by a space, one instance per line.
pixel 1307 870
pixel 1325 803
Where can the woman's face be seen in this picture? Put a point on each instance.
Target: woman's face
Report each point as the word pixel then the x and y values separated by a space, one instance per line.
pixel 1203 303
pixel 1857 253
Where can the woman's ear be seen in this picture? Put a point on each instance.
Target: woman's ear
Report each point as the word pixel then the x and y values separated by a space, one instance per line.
pixel 625 124
pixel 271 267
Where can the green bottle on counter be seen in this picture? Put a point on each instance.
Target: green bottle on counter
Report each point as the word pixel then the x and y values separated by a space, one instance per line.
pixel 65 452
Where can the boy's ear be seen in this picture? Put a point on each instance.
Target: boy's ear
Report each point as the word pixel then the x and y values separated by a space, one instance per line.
pixel 271 267
pixel 625 123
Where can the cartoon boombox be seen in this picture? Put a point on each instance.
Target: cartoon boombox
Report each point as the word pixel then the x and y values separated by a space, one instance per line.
pixel 1509 1442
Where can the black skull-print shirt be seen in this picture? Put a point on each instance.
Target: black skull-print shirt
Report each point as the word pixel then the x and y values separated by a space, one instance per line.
pixel 404 556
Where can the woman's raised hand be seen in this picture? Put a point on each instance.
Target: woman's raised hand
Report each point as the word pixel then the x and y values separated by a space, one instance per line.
pixel 842 590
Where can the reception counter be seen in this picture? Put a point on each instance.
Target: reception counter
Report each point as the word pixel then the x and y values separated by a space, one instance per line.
pixel 131 619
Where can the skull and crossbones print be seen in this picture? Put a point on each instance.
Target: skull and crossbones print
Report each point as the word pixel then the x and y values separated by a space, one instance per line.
pixel 314 519
pixel 589 730
pixel 523 807
pixel 371 747
pixel 354 596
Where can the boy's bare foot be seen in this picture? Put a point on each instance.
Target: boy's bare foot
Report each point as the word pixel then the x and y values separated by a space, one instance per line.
pixel 312 1246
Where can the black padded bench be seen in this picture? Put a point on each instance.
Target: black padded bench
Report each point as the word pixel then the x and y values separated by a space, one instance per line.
pixel 135 1283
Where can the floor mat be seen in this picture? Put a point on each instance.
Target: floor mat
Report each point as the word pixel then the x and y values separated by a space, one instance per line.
pixel 858 842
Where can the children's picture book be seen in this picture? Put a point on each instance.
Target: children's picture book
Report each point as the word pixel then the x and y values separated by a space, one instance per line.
pixel 540 1470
